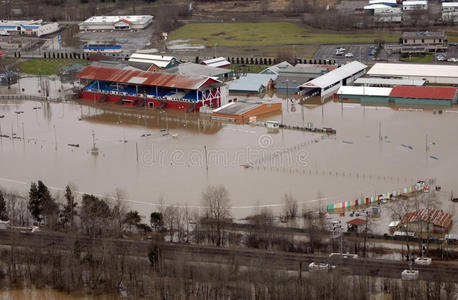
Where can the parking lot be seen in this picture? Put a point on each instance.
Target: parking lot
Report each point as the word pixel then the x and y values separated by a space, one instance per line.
pixel 129 40
pixel 360 53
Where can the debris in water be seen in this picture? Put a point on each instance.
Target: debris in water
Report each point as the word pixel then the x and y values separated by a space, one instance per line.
pixel 74 145
pixel 434 157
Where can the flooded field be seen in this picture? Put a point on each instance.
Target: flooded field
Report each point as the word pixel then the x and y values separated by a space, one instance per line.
pixel 376 150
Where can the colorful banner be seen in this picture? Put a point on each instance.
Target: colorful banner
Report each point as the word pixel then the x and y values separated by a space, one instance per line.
pixel 420 187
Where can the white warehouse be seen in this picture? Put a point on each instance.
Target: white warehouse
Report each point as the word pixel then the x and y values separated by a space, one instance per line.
pixel 31 27
pixel 415 5
pixel 116 22
pixel 438 74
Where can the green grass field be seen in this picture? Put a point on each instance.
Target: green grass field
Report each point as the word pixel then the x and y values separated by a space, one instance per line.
pixel 418 59
pixel 268 34
pixel 47 66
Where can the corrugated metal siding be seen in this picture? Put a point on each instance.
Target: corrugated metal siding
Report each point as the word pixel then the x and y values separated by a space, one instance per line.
pixel 152 79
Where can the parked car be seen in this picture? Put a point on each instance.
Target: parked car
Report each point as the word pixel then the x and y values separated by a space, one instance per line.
pixel 453 44
pixel 440 57
pixel 423 261
pixel 341 49
pixel 349 55
pixel 452 59
pixel 339 53
pixel 371 52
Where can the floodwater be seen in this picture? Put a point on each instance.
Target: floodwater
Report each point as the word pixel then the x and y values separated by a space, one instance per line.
pixel 376 150
pixel 43 294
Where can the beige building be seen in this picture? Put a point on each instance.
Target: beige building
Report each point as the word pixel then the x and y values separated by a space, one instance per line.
pixel 421 43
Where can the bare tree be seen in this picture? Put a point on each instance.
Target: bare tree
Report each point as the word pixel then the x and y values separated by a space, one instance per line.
pixel 291 206
pixel 217 210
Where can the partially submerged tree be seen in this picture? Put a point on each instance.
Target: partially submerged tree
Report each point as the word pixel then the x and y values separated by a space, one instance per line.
pixel 132 218
pixel 217 210
pixel 156 221
pixel 291 206
pixel 95 214
pixel 3 210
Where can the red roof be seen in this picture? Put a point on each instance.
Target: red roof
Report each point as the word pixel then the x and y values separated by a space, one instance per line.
pixel 424 92
pixel 124 20
pixel 435 216
pixel 145 78
pixel 356 222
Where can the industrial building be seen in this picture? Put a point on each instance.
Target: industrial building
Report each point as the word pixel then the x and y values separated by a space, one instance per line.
pixel 116 22
pixel 412 5
pixel 192 69
pixel 147 89
pixel 151 62
pixel 421 43
pixel 450 12
pixel 410 95
pixel 386 82
pixel 331 81
pixel 436 74
pixel 251 83
pixel 33 28
pixel 219 62
pixel 241 111
pixel 427 220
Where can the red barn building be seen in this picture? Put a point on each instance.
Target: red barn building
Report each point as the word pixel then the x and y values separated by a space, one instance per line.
pixel 140 88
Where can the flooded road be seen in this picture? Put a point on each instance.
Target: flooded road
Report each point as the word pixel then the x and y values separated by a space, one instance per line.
pixel 376 150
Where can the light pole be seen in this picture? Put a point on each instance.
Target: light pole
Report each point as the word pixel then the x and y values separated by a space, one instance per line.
pixel 166 119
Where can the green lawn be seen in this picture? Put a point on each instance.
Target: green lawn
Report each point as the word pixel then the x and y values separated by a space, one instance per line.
pixel 418 59
pixel 47 66
pixel 267 34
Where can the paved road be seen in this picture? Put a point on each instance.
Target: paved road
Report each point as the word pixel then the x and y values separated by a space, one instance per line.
pixel 244 257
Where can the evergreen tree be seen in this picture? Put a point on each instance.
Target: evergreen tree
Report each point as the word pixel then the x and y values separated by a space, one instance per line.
pixel 3 211
pixel 34 202
pixel 69 210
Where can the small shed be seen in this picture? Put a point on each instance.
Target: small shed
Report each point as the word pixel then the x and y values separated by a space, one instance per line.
pixel 4 225
pixel 356 225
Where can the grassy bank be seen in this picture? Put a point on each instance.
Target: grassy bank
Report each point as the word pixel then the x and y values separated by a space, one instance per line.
pixel 268 34
pixel 47 66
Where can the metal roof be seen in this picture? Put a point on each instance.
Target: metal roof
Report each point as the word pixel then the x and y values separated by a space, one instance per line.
pixel 276 68
pixel 336 75
pixel 145 78
pixel 424 92
pixel 414 2
pixel 134 19
pixel 435 216
pixel 356 222
pixel 190 69
pixel 158 60
pixel 216 62
pixel 388 81
pixel 407 69
pixel 237 108
pixel 251 82
pixel 364 91
pixel 423 34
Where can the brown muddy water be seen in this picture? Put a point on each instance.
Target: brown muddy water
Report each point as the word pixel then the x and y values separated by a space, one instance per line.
pixel 136 156
pixel 43 294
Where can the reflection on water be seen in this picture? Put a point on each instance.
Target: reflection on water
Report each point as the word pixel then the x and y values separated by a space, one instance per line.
pixel 137 155
pixel 44 294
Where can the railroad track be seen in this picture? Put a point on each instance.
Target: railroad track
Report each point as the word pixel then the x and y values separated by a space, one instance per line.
pixel 243 256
